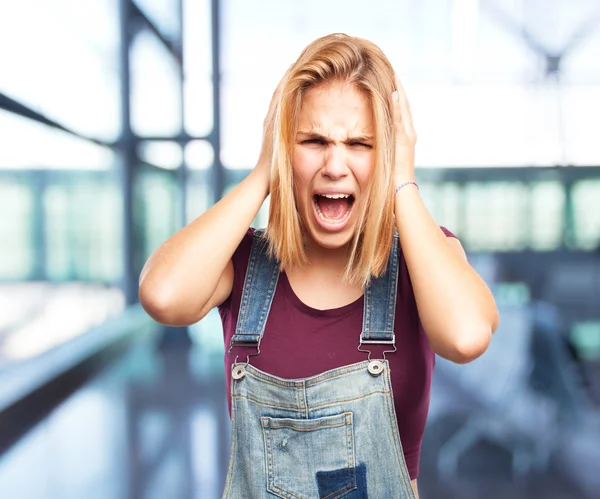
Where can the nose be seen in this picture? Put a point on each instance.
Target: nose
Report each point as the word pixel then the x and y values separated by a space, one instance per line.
pixel 335 162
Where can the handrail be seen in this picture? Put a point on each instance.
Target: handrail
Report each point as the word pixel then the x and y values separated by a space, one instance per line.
pixel 29 389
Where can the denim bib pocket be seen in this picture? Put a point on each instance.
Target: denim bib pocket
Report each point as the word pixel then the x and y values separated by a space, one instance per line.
pixel 299 449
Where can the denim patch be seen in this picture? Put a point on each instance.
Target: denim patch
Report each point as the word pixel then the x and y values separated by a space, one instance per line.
pixel 331 483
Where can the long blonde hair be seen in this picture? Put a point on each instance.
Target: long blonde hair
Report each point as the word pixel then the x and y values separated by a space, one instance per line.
pixel 359 62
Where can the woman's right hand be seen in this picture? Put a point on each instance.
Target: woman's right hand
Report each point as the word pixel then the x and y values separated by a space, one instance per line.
pixel 192 272
pixel 266 153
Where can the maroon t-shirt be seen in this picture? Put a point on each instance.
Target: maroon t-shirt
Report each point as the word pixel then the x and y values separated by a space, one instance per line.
pixel 301 341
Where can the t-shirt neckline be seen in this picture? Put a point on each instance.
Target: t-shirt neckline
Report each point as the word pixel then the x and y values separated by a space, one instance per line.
pixel 307 309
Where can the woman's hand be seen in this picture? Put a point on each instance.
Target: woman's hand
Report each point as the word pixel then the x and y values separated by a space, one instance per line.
pixel 266 152
pixel 458 312
pixel 406 138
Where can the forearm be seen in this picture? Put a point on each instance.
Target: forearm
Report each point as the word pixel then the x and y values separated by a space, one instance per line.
pixel 455 305
pixel 186 269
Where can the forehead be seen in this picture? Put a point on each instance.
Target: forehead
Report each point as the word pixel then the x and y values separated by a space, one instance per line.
pixel 334 105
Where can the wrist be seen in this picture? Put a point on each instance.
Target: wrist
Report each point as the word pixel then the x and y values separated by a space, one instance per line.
pixel 406 184
pixel 262 178
pixel 400 178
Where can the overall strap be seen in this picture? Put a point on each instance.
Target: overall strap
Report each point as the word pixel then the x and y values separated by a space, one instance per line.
pixel 380 303
pixel 259 288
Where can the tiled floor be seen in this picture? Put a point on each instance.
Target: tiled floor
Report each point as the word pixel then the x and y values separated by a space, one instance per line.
pixel 155 425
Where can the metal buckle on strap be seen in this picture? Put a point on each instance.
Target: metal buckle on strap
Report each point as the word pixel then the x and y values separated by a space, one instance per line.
pixel 379 342
pixel 235 344
pixel 375 367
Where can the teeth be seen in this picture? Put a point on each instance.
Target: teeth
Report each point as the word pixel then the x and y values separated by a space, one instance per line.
pixel 335 196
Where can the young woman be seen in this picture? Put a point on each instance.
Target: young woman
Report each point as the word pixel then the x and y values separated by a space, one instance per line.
pixel 348 294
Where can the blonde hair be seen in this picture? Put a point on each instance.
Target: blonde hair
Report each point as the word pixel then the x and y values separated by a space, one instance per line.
pixel 359 62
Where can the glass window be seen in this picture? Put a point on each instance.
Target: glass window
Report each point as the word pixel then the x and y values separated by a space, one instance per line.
pixel 580 109
pixel 163 14
pixel 586 214
pixel 28 144
pixel 197 49
pixel 480 92
pixel 199 154
pixel 17 254
pixel 155 88
pixel 580 62
pixel 199 198
pixel 83 228
pixel 162 153
pixel 444 202
pixel 547 215
pixel 61 59
pixel 157 208
pixel 495 216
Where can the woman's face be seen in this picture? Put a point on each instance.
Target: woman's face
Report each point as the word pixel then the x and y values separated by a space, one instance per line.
pixel 332 160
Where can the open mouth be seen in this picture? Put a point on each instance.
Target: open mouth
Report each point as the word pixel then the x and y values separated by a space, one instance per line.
pixel 333 209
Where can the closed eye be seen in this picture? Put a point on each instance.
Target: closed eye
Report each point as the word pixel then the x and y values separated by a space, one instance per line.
pixel 320 142
pixel 361 145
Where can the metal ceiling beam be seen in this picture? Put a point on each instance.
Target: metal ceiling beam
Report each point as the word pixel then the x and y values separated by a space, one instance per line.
pixel 174 49
pixel 15 107
pixel 553 60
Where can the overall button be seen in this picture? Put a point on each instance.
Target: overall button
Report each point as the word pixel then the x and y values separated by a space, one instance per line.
pixel 238 372
pixel 375 367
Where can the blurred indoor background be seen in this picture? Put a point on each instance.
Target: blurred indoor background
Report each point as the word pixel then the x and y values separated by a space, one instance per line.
pixel 122 120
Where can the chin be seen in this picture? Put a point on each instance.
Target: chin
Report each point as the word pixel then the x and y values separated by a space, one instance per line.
pixel 331 240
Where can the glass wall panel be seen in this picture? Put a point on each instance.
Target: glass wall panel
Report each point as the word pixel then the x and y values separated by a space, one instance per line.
pixel 28 144
pixel 155 102
pixel 580 108
pixel 163 14
pixel 444 203
pixel 157 209
pixel 199 155
pixel 71 222
pixel 586 214
pixel 17 255
pixel 197 47
pixel 199 195
pixel 482 93
pixel 162 153
pixel 60 57
pixel 496 216
pixel 547 215
pixel 84 229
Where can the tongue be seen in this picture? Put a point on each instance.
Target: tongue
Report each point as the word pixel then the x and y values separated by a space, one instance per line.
pixel 334 209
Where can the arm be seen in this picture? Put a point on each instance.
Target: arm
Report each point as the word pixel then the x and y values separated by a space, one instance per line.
pixel 192 271
pixel 455 305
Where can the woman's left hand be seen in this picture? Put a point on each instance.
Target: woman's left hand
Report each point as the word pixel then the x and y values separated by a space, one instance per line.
pixel 406 138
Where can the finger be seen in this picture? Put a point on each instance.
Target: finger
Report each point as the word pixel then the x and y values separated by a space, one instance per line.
pixel 400 90
pixel 403 108
pixel 403 99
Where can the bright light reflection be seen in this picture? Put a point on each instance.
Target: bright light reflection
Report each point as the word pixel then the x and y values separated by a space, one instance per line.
pixel 44 315
pixel 28 144
pixel 162 153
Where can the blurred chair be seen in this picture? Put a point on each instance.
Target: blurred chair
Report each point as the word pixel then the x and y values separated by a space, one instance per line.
pixel 499 401
pixel 570 285
pixel 555 374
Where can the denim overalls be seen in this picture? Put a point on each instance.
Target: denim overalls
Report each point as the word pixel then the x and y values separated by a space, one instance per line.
pixel 332 435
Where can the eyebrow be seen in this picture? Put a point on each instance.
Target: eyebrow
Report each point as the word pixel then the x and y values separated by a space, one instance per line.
pixel 315 135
